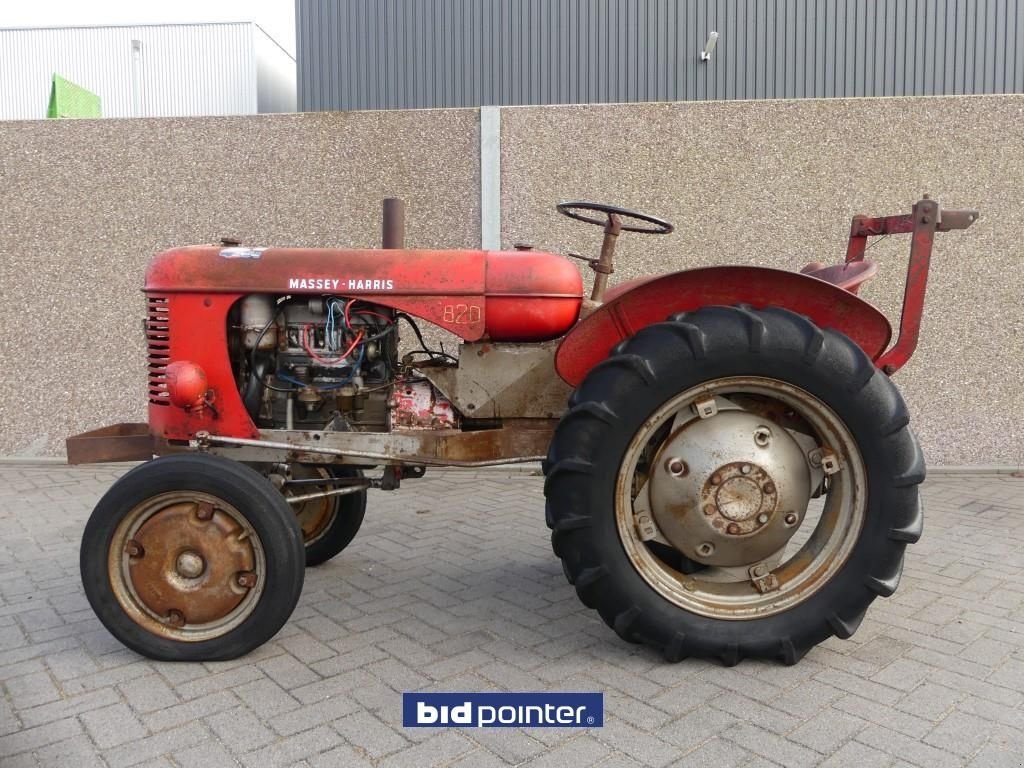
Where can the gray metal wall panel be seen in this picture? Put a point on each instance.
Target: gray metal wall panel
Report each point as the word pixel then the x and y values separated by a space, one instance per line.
pixel 379 54
pixel 184 69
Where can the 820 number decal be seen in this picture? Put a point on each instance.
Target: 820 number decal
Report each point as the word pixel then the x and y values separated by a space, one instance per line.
pixel 462 314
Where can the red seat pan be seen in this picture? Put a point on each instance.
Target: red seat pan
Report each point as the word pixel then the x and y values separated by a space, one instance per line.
pixel 849 277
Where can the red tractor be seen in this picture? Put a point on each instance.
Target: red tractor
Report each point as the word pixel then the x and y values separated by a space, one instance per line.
pixel 733 475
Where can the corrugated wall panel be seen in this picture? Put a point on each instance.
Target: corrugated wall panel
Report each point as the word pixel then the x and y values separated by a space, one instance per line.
pixel 193 69
pixel 380 54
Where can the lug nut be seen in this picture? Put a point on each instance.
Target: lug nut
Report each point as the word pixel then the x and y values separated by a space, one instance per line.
pixel 762 518
pixel 733 529
pixel 769 487
pixel 134 549
pixel 709 509
pixel 790 518
pixel 175 618
pixel 716 479
pixel 745 469
pixel 706 549
pixel 245 579
pixel 676 467
pixel 204 510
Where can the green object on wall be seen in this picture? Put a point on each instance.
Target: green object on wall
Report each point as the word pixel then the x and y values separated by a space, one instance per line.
pixel 70 100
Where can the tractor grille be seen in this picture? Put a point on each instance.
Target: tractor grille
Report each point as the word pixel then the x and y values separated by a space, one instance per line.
pixel 159 340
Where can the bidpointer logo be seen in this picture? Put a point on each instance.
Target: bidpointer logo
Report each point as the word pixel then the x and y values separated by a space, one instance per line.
pixel 502 710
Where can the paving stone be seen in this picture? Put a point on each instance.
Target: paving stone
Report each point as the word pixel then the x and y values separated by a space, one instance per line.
pixel 196 709
pixel 148 693
pixel 343 755
pixel 827 731
pixel 854 754
pixel 960 733
pixel 288 672
pixel 207 754
pixel 31 690
pixel 266 697
pixel 464 598
pixel 313 714
pixel 240 730
pixel 770 746
pixel 642 745
pixel 288 751
pixel 904 747
pixel 69 707
pixel 112 725
pixel 580 751
pixel 696 727
pixel 370 734
pixel 715 753
pixel 40 736
pixel 930 701
pixel 440 749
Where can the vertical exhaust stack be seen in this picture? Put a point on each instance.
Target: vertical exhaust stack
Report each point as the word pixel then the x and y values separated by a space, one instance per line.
pixel 393 229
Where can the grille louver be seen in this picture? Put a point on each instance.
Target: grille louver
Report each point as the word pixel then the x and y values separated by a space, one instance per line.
pixel 159 340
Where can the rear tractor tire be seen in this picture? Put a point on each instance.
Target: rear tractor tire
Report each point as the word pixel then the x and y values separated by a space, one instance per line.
pixel 734 484
pixel 192 558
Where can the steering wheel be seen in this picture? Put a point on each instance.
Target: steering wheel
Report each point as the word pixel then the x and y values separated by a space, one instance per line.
pixel 657 226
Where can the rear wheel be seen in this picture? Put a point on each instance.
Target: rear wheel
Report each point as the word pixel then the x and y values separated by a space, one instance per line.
pixel 734 483
pixel 192 558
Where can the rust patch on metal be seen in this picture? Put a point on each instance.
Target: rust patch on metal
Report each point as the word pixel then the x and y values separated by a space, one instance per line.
pixel 118 442
pixel 184 567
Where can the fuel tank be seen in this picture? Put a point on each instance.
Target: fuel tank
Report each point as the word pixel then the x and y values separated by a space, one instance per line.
pixel 531 295
pixel 500 295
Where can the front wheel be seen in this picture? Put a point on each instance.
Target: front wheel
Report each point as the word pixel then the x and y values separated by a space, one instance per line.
pixel 192 558
pixel 331 522
pixel 734 483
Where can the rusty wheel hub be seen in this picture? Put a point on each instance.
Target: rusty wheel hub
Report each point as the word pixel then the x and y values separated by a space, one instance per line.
pixel 728 486
pixel 727 512
pixel 316 515
pixel 186 565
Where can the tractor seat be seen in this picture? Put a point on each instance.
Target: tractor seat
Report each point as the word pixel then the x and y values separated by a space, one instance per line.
pixel 849 277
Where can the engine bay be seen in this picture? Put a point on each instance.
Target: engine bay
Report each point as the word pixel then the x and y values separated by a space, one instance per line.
pixel 331 363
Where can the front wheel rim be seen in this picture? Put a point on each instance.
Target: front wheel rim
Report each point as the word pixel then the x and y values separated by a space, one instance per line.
pixel 316 516
pixel 797 575
pixel 186 566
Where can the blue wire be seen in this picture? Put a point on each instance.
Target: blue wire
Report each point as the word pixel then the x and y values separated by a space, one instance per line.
pixel 354 369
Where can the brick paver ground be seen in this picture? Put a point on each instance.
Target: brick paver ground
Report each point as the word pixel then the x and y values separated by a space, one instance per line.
pixel 451 586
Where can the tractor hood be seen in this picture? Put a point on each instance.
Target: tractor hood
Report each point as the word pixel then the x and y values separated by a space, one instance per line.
pixel 504 295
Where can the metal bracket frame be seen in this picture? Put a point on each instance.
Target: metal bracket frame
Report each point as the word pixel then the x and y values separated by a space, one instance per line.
pixel 927 218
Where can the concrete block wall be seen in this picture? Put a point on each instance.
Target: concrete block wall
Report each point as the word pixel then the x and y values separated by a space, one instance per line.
pixel 83 204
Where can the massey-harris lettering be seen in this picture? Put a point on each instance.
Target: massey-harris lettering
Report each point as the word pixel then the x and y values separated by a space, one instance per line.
pixel 334 284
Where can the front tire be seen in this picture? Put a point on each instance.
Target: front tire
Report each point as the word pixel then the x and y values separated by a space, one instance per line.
pixel 192 558
pixel 328 524
pixel 768 370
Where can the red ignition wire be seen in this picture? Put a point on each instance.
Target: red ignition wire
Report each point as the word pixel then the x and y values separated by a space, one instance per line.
pixel 323 361
pixel 348 308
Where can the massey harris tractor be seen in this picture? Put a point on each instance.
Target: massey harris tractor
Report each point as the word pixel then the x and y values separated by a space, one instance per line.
pixel 729 469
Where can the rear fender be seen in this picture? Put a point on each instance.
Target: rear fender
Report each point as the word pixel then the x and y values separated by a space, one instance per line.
pixel 653 300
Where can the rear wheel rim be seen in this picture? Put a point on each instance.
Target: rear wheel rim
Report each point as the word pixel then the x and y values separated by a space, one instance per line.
pixel 186 566
pixel 719 592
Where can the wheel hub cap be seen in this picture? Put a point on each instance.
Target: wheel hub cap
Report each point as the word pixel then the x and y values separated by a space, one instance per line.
pixel 744 478
pixel 190 564
pixel 186 563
